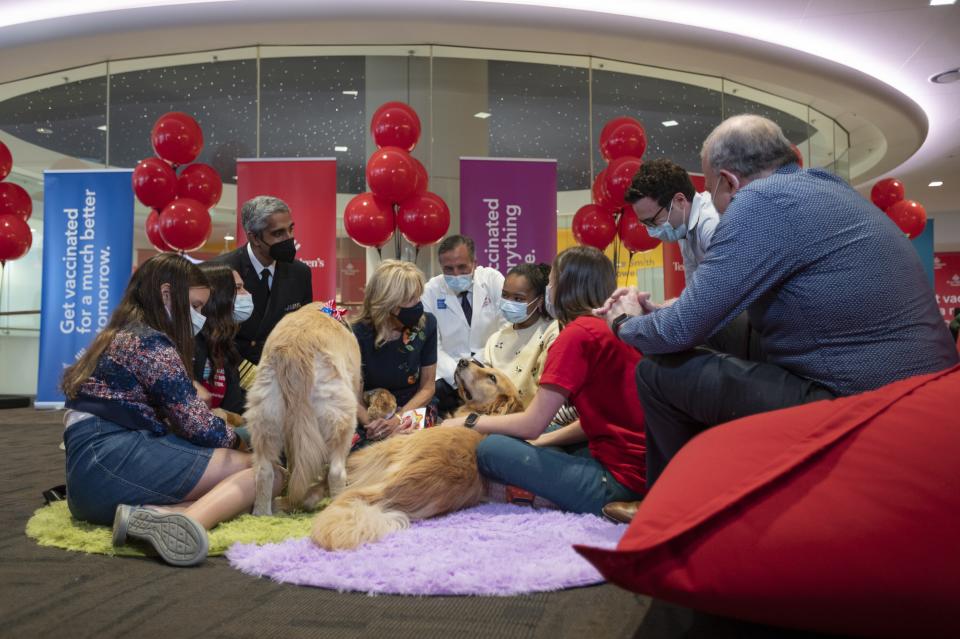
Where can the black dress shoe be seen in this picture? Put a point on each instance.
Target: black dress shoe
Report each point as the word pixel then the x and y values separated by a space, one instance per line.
pixel 621 512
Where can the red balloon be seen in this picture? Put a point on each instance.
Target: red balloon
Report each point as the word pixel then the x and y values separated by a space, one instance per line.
pixel 622 137
pixel 395 124
pixel 887 192
pixel 391 174
pixel 15 200
pixel 423 179
pixel 200 182
pixel 423 219
pixel 15 237
pixel 594 226
pixel 177 137
pixel 633 234
pixel 6 161
pixel 909 216
pixel 369 220
pixel 600 195
pixel 184 224
pixel 618 177
pixel 152 226
pixel 796 152
pixel 154 182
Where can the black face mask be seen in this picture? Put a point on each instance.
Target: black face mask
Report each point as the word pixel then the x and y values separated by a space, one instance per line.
pixel 409 317
pixel 283 251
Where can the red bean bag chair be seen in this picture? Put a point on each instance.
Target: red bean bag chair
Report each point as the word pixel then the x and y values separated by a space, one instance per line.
pixel 838 516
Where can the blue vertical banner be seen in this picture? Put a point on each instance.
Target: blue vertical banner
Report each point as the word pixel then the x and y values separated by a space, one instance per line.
pixel 87 259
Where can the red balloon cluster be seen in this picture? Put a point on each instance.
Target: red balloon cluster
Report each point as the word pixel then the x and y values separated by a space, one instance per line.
pixel 398 196
pixel 909 216
pixel 622 143
pixel 180 219
pixel 15 209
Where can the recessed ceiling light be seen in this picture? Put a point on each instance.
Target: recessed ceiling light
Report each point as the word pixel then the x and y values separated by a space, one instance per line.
pixel 670 123
pixel 483 115
pixel 340 149
pixel 44 130
pixel 946 77
pixel 229 238
pixel 936 183
pixel 937 3
pixel 353 93
pixel 102 127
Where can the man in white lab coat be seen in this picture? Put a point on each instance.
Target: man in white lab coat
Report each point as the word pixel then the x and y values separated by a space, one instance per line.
pixel 465 299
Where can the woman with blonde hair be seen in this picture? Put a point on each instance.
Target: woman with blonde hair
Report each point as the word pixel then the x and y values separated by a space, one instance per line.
pixel 398 347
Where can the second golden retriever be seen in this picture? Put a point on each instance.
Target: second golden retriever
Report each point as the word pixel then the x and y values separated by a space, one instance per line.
pixel 406 478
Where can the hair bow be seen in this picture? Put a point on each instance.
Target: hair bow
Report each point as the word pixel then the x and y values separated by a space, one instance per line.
pixel 330 308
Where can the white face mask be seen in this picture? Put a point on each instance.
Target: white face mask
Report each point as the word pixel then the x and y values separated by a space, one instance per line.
pixel 548 302
pixel 242 308
pixel 459 283
pixel 516 312
pixel 666 231
pixel 198 320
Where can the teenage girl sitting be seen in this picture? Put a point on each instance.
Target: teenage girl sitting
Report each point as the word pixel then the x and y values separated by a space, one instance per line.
pixel 594 370
pixel 136 431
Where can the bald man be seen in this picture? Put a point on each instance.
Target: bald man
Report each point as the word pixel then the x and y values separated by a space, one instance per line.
pixel 834 288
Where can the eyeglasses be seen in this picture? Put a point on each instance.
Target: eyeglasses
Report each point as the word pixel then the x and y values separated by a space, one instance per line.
pixel 651 223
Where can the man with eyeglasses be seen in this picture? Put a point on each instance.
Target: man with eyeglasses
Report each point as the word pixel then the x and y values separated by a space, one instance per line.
pixel 836 291
pixel 665 201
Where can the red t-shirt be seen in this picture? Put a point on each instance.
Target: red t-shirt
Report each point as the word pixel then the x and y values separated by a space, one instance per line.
pixel 597 369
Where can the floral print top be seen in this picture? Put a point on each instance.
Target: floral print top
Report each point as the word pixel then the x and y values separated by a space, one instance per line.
pixel 396 364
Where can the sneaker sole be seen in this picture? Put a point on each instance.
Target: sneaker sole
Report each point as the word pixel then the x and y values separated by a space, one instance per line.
pixel 178 539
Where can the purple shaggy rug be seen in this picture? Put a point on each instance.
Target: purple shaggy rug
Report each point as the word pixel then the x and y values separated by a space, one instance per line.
pixel 492 549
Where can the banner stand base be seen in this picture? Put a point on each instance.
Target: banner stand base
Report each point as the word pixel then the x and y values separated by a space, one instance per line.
pixel 48 405
pixel 14 401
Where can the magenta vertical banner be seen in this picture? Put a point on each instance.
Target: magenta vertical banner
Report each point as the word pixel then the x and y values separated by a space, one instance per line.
pixel 508 206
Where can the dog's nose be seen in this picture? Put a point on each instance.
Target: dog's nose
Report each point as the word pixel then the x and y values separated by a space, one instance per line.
pixel 463 363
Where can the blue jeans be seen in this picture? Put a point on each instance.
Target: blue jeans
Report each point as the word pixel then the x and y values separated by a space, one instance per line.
pixel 108 465
pixel 574 482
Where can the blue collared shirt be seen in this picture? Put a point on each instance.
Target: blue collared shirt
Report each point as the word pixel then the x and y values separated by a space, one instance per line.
pixel 835 289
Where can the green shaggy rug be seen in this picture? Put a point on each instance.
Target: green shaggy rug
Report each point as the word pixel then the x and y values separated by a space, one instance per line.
pixel 53 526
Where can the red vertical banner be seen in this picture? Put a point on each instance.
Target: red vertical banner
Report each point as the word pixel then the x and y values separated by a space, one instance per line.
pixel 309 187
pixel 946 282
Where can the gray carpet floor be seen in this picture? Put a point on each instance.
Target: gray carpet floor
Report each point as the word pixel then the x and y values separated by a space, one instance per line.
pixel 47 592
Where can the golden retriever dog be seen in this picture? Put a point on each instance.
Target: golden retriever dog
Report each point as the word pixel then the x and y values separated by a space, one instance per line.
pixel 303 402
pixel 412 477
pixel 380 403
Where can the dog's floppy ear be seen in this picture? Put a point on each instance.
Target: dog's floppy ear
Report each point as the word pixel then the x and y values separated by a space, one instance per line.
pixel 505 405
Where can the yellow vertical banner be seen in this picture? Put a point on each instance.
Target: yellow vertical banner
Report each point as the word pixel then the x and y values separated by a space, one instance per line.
pixel 626 268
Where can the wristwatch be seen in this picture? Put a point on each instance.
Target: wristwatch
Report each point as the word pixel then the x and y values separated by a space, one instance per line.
pixel 471 420
pixel 618 322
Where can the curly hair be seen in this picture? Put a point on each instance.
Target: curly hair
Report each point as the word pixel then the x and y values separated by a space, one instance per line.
pixel 660 180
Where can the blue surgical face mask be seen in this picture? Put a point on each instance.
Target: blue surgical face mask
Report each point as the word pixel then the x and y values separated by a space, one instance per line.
pixel 548 302
pixel 198 320
pixel 516 312
pixel 666 232
pixel 242 308
pixel 459 283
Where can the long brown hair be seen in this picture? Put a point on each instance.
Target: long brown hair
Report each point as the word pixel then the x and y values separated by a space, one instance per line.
pixel 220 327
pixel 584 280
pixel 142 303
